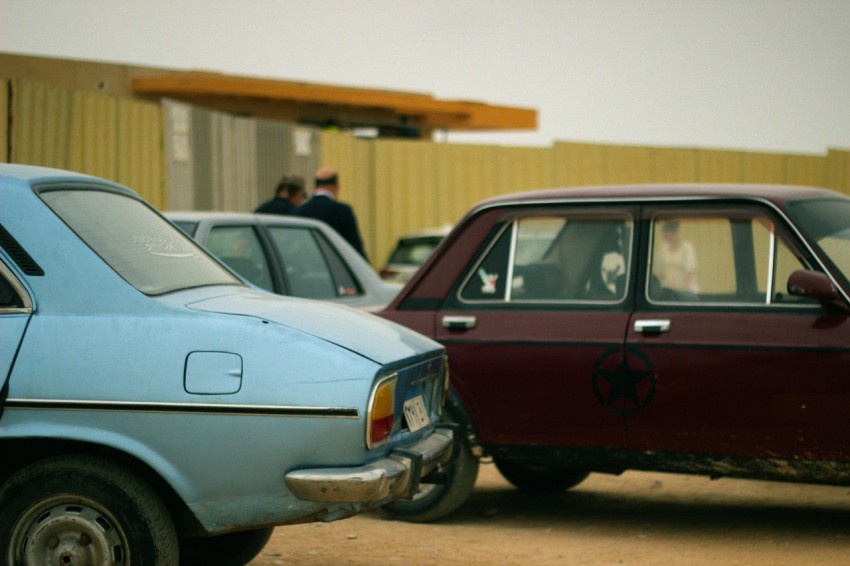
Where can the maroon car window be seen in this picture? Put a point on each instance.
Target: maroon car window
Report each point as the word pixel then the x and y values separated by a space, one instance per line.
pixel 565 258
pixel 827 222
pixel 720 258
pixel 487 281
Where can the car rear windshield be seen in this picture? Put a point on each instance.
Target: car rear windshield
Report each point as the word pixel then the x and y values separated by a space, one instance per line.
pixel 827 222
pixel 148 252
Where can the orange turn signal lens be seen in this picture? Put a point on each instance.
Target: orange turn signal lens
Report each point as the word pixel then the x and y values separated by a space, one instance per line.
pixel 381 411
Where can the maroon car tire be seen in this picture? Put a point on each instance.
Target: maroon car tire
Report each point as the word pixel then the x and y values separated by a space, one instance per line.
pixel 540 478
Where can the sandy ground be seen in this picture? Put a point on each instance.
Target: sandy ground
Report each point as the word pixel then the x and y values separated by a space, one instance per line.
pixel 634 519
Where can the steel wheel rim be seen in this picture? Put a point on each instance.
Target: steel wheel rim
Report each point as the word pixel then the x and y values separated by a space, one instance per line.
pixel 68 530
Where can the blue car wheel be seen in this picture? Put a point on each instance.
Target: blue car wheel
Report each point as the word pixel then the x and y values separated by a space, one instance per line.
pixel 83 510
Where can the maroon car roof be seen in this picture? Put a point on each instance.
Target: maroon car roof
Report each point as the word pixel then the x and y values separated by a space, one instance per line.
pixel 774 193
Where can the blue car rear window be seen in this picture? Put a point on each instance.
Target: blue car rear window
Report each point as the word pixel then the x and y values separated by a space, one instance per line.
pixel 148 252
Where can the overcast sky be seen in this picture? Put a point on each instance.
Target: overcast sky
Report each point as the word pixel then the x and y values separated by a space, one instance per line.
pixel 770 75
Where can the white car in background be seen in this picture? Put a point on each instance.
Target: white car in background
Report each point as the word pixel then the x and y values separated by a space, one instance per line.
pixel 410 253
pixel 289 255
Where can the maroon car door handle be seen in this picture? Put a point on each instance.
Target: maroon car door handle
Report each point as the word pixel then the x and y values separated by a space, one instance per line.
pixel 459 322
pixel 654 326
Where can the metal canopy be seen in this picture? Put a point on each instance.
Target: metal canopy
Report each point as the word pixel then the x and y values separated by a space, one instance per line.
pixel 346 105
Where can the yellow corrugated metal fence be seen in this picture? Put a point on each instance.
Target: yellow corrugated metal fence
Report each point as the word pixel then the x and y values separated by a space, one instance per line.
pixel 118 139
pixel 395 186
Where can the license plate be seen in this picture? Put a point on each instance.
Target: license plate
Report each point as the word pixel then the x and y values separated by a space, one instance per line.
pixel 416 414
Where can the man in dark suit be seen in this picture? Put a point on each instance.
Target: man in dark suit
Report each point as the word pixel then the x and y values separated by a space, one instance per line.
pixel 326 207
pixel 289 195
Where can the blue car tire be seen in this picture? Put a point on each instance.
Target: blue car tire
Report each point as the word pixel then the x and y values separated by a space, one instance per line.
pixel 83 509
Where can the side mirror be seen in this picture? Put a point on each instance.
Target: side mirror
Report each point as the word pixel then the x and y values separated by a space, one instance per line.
pixel 812 284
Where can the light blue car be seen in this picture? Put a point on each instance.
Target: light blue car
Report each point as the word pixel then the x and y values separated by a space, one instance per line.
pixel 154 408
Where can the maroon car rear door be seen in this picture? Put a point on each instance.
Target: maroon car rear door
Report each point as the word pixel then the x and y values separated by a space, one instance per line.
pixel 536 324
pixel 736 366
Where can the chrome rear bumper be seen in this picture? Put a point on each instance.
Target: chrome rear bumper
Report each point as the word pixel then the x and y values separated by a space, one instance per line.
pixel 395 477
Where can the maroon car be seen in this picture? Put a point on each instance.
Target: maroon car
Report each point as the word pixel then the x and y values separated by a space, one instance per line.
pixel 679 328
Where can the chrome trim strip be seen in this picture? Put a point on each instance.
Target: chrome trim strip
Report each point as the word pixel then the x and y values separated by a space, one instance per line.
pixel 509 277
pixel 19 288
pixel 791 226
pixel 182 408
pixel 514 225
pixel 771 265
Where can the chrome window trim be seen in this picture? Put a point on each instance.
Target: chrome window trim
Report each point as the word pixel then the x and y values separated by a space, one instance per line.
pixel 638 201
pixel 513 225
pixel 19 288
pixel 509 275
pixel 768 302
pixel 739 305
pixel 773 242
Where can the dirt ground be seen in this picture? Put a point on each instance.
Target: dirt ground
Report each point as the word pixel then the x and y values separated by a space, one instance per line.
pixel 635 519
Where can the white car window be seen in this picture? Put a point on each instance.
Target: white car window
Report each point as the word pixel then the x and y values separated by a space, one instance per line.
pixel 240 248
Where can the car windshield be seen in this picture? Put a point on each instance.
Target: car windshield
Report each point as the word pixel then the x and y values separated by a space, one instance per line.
pixel 827 222
pixel 148 252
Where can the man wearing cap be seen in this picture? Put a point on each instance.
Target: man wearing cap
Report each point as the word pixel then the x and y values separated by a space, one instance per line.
pixel 325 206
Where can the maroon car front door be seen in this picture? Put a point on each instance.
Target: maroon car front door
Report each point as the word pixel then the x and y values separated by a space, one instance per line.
pixel 535 328
pixel 738 367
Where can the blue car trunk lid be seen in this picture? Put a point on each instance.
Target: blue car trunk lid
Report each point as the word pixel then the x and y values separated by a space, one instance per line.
pixel 377 339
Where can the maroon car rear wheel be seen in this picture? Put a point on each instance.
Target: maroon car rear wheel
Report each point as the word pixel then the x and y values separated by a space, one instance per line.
pixel 540 478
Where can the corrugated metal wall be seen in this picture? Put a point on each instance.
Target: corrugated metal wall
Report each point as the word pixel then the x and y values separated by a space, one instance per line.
pixel 838 170
pixel 284 149
pixel 353 159
pixel 118 139
pixel 4 121
pixel 216 161
pixel 807 170
pixel 139 155
pixel 593 164
pixel 41 124
pixel 465 175
pixel 405 192
pixel 524 168
pixel 397 187
pixel 182 157
pixel 178 144
pixel 233 162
